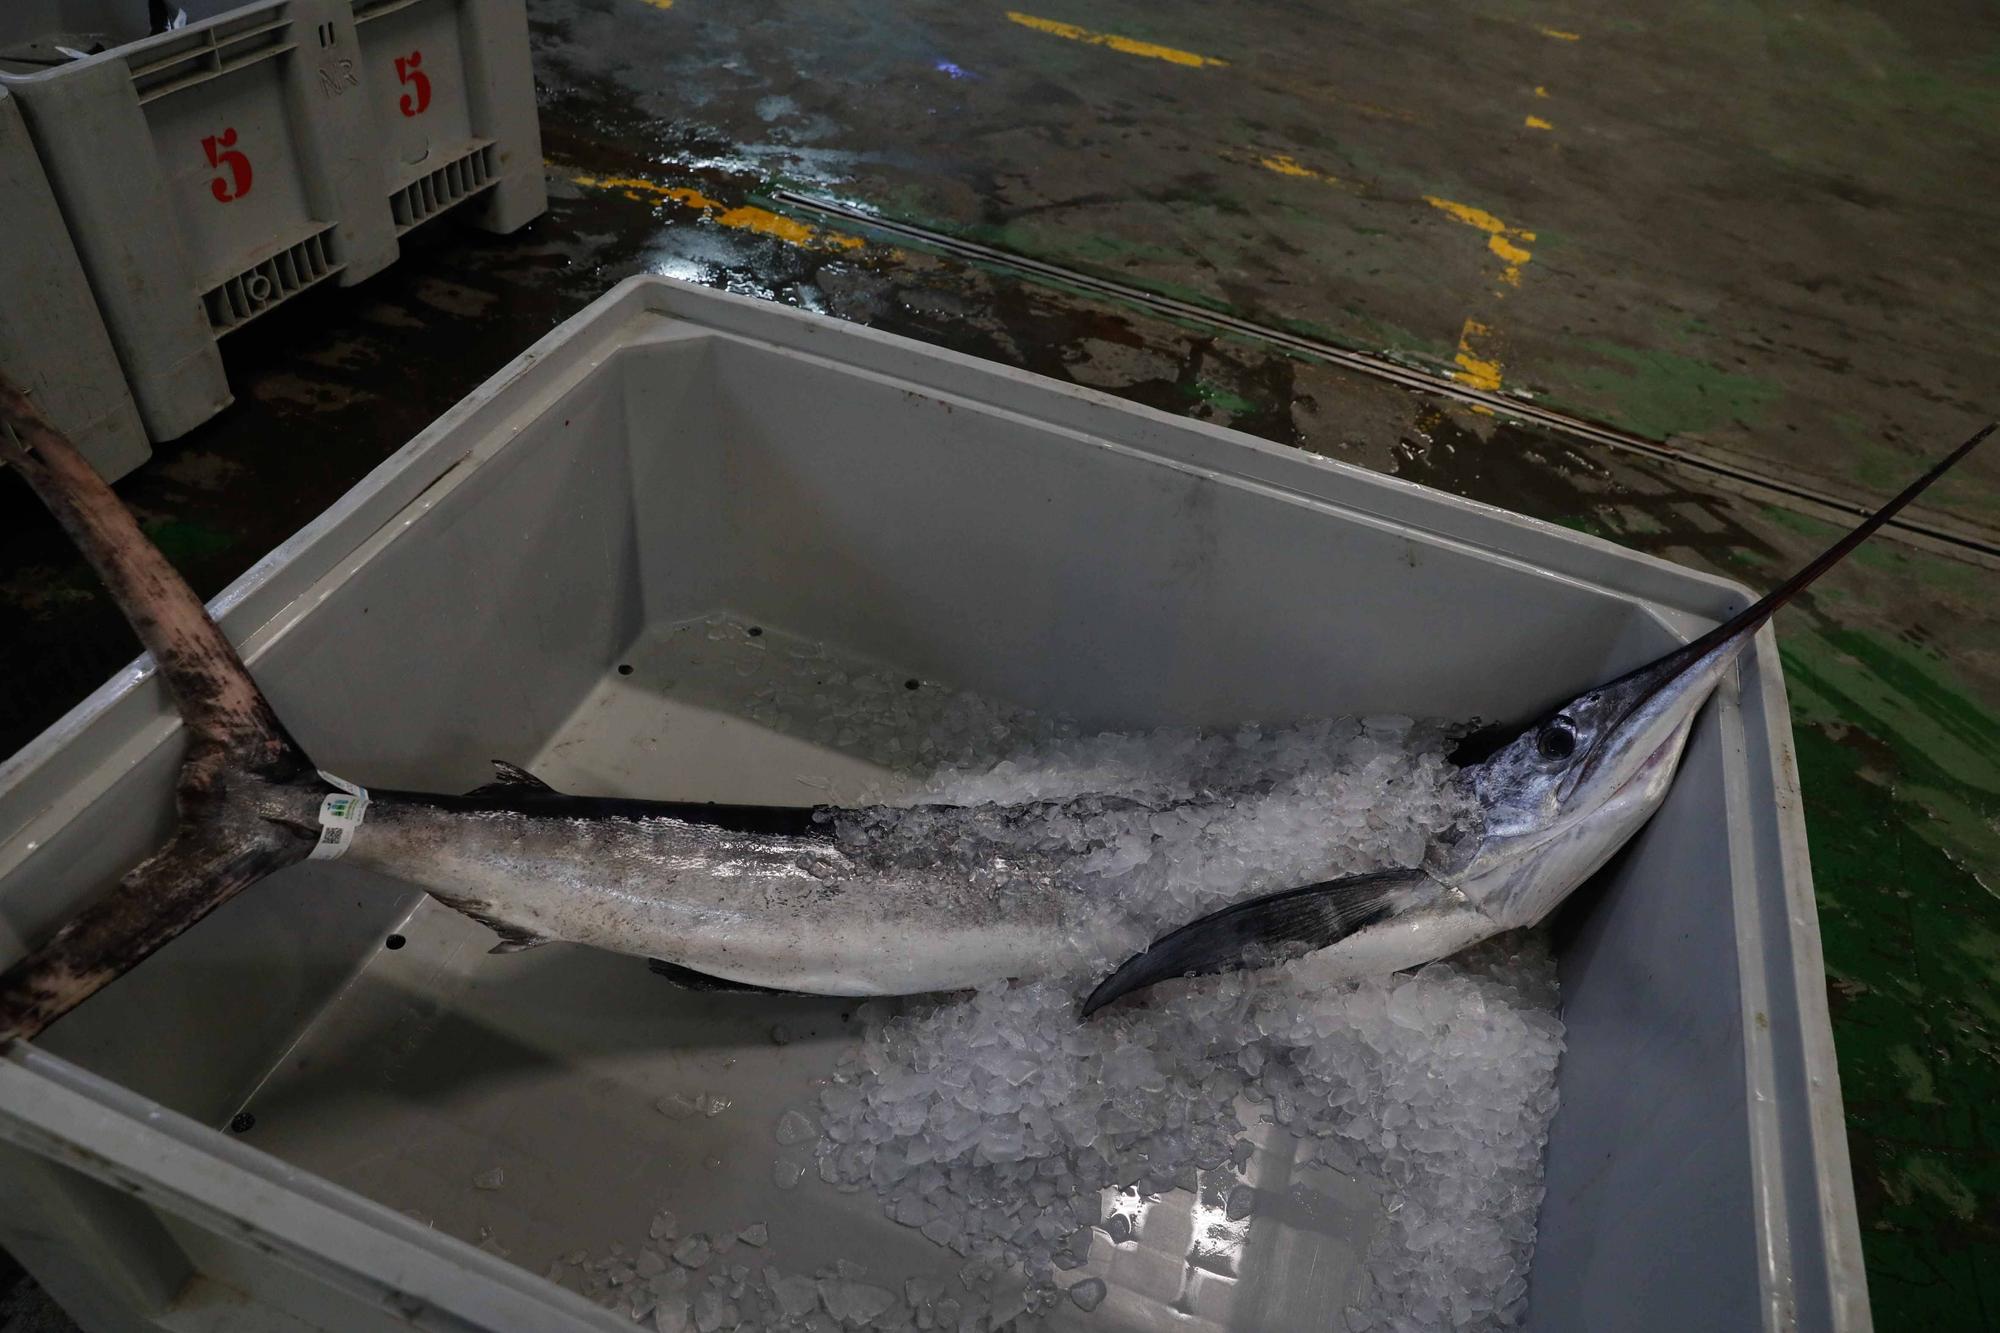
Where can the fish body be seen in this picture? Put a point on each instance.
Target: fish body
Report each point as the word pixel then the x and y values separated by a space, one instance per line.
pixel 776 900
pixel 846 903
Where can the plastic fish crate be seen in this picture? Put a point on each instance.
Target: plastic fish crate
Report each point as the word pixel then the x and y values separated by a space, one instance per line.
pixel 52 341
pixel 214 171
pixel 502 587
pixel 453 99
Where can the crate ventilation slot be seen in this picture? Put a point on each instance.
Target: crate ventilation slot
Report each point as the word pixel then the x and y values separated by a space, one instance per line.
pixel 431 194
pixel 264 284
pixel 178 60
pixel 375 9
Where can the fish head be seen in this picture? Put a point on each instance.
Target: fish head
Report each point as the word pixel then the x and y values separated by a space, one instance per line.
pixel 1580 755
pixel 1565 793
pixel 1560 797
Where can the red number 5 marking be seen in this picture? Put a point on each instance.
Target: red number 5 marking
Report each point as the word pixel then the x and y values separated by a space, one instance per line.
pixel 407 71
pixel 221 150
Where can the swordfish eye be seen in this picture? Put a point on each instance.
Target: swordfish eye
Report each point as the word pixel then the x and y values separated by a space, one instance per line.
pixel 1557 740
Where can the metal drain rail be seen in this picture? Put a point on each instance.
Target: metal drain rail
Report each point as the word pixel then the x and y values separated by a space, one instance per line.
pixel 1945 536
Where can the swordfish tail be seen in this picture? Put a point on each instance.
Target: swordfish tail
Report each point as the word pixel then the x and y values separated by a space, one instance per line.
pixel 246 791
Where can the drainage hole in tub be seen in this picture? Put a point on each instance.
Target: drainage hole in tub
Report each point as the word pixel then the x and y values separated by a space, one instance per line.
pixel 394 942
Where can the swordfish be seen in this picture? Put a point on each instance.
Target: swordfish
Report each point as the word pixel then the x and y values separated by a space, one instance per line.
pixel 755 897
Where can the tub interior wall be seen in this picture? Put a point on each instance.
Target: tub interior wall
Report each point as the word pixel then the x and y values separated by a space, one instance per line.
pixel 1648 1169
pixel 977 547
pixel 1042 566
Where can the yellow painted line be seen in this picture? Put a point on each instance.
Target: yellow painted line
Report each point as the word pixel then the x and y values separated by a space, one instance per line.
pixel 1289 166
pixel 1379 112
pixel 1560 35
pixel 1537 123
pixel 1511 253
pixel 744 217
pixel 1540 91
pixel 658 4
pixel 1128 45
pixel 1470 216
pixel 1475 371
pixel 1500 238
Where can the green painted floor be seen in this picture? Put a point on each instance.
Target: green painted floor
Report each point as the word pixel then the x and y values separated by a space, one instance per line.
pixel 1759 235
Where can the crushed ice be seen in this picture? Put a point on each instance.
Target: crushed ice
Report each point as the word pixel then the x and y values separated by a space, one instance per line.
pixel 996 1125
pixel 993 1123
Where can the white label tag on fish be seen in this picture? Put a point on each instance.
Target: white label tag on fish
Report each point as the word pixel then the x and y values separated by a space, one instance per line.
pixel 339 816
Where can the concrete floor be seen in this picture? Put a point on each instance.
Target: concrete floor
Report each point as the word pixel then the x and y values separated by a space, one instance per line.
pixel 1760 235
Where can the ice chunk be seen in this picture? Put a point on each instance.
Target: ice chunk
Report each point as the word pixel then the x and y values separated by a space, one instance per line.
pixel 671 1316
pixel 713 1313
pixel 854 1302
pixel 796 1294
pixel 491 1179
pixel 674 1106
pixel 755 1234
pixel 1089 1293
pixel 693 1252
pixel 795 1127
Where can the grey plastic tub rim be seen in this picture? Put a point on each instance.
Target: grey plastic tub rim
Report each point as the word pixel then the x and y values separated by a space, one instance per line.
pixel 1783 977
pixel 326 1232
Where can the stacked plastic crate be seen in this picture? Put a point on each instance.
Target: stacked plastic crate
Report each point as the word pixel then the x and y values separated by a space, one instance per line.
pixel 213 171
pixel 52 340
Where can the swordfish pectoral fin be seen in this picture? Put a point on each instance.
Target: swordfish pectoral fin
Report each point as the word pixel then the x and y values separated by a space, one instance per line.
pixel 1246 933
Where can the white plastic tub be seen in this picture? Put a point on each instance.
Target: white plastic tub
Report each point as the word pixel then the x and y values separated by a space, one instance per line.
pixel 673 452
